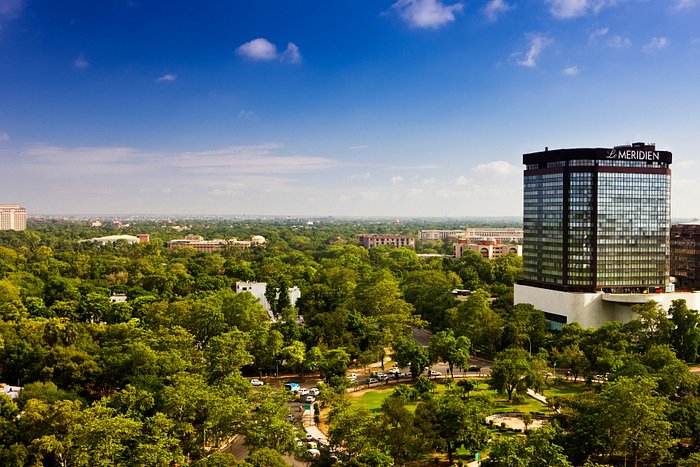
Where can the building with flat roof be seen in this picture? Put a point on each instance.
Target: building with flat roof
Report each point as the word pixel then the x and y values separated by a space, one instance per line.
pixel 489 249
pixel 504 234
pixel 13 217
pixel 685 255
pixel 596 232
pixel 371 240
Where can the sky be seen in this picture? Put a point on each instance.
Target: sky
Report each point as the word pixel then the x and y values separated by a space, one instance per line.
pixel 344 107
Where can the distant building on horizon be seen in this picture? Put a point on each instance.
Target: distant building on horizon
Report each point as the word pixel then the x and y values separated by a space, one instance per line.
pixel 13 217
pixel 596 233
pixel 473 234
pixel 372 240
pixel 489 249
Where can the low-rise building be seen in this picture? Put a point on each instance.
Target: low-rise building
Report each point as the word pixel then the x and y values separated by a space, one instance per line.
pixel 257 290
pixel 489 249
pixel 371 240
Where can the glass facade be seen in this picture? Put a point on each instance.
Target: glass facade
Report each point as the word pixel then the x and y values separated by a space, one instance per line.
pixel 592 223
pixel 543 221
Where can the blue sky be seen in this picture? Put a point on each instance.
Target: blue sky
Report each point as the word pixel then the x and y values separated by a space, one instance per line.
pixel 396 108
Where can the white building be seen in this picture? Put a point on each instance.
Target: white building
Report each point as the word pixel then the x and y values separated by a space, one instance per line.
pixel 13 217
pixel 257 290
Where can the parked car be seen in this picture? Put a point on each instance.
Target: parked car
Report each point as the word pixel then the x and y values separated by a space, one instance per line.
pixel 303 392
pixel 372 380
pixel 310 399
pixel 435 373
pixel 256 382
pixel 309 437
pixel 314 392
pixel 394 371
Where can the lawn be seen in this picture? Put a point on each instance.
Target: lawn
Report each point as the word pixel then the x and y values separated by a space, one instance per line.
pixel 372 399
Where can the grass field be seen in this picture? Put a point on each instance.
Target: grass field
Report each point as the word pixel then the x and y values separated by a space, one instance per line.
pixel 372 399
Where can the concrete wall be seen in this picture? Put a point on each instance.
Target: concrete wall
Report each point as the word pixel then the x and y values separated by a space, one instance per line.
pixel 592 310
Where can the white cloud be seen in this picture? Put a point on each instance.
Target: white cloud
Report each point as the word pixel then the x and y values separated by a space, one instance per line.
pixel 597 34
pixel 81 62
pixel 495 8
pixel 619 42
pixel 4 136
pixel 359 146
pixel 245 114
pixel 427 13
pixel 398 180
pixel 415 191
pixel 363 176
pixel 258 49
pixel 566 9
pixel 496 168
pixel 462 181
pixel 291 54
pixel 167 77
pixel 684 4
pixel 262 50
pixel 429 181
pixel 656 44
pixel 571 70
pixel 537 43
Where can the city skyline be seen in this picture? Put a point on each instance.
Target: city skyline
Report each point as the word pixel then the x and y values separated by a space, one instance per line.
pixel 392 108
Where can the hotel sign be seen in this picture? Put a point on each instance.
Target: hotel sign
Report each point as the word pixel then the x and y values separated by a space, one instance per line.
pixel 633 155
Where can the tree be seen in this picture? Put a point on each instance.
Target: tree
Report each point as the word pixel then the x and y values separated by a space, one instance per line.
pixel 266 457
pixel 268 427
pixel 685 336
pixel 514 369
pixel 403 439
pixel 408 352
pixel 450 422
pixel 537 450
pixel 574 359
pixel 226 354
pixel 444 346
pixel 334 364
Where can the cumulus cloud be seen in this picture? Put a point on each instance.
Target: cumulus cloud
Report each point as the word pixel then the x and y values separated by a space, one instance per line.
pixel 496 168
pixel 496 8
pixel 291 54
pixel 537 43
pixel 167 77
pixel 571 70
pixel 81 62
pixel 619 42
pixel 597 34
pixel 427 13
pixel 262 50
pixel 258 49
pixel 398 180
pixel 4 136
pixel 566 9
pixel 656 44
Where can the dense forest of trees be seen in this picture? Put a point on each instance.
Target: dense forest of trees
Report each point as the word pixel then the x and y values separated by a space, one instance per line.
pixel 158 379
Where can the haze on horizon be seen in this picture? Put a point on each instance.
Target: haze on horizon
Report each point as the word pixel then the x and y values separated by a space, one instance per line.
pixel 349 108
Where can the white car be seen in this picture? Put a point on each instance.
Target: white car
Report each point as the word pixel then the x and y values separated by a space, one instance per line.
pixel 314 392
pixel 394 371
pixel 310 399
pixel 256 382
pixel 303 392
pixel 435 373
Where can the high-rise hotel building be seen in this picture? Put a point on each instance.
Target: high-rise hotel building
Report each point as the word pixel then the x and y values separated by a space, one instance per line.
pixel 596 232
pixel 12 217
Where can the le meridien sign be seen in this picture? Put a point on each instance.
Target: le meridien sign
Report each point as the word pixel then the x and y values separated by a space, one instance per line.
pixel 633 155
